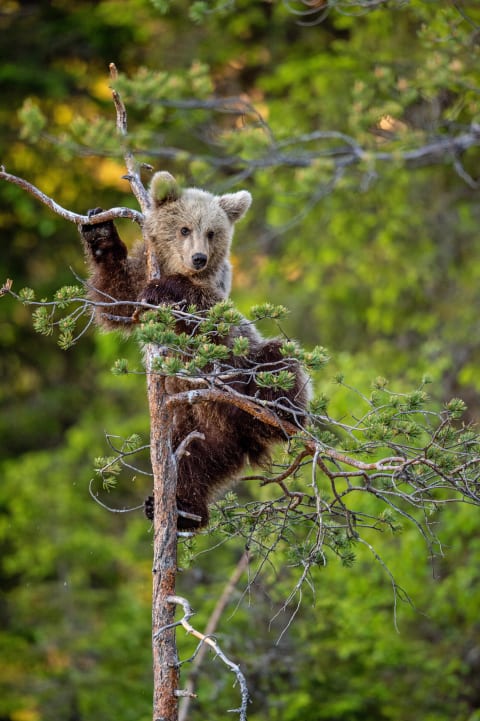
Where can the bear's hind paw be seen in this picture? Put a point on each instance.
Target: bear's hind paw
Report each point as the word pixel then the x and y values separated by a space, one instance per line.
pixel 148 507
pixel 187 521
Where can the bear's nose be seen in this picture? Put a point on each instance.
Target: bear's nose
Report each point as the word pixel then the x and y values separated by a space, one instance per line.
pixel 199 260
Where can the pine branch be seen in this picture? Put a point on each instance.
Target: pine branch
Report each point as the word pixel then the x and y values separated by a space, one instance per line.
pixel 264 414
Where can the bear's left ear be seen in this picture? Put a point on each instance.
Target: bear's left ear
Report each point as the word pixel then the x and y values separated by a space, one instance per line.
pixel 164 188
pixel 235 204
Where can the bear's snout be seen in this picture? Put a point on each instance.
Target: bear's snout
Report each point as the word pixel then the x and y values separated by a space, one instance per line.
pixel 199 260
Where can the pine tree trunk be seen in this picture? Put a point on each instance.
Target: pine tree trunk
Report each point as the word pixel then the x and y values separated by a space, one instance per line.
pixel 165 659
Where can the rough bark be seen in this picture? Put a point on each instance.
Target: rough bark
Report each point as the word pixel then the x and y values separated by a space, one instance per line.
pixel 165 659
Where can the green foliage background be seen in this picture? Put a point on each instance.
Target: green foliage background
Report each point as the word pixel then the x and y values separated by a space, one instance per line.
pixel 382 269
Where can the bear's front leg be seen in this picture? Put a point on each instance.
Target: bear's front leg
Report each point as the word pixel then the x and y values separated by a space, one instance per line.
pixel 102 242
pixel 111 279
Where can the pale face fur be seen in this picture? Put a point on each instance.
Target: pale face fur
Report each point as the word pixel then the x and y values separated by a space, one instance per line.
pixel 192 231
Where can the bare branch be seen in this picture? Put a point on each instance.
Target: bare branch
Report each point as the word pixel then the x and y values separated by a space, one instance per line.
pixel 209 630
pixel 204 639
pixel 464 15
pixel 289 471
pixel 108 508
pixel 68 214
pixel 182 449
pixel 133 166
pixel 164 467
pixel 133 176
pixel 344 150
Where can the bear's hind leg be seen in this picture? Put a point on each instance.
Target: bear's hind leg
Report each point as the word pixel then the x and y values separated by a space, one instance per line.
pixel 192 507
pixel 205 467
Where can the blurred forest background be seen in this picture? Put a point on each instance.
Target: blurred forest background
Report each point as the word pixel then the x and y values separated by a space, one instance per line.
pixel 376 254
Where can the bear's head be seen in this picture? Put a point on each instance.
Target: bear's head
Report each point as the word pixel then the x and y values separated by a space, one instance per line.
pixel 191 230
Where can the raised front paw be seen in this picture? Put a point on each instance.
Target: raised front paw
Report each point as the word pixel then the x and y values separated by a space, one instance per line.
pixel 102 239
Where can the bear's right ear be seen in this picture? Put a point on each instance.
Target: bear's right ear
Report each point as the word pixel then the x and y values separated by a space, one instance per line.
pixel 235 204
pixel 164 189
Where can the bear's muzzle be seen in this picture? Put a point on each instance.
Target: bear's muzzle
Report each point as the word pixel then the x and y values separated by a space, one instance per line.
pixel 199 260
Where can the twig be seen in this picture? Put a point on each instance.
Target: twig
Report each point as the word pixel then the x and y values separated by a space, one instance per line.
pixel 108 508
pixel 182 449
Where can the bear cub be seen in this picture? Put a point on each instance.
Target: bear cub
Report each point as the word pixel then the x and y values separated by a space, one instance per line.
pixel 191 232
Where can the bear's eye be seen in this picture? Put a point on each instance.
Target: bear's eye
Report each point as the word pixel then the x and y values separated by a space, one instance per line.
pixel 210 235
pixel 185 231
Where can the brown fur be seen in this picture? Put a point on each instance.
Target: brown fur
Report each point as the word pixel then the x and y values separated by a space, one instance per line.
pixel 195 270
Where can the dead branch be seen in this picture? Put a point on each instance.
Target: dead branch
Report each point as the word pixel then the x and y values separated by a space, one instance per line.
pixel 133 167
pixel 182 449
pixel 293 153
pixel 210 641
pixel 164 467
pixel 209 630
pixel 68 214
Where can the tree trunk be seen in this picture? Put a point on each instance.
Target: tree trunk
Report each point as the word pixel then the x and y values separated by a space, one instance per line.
pixel 165 659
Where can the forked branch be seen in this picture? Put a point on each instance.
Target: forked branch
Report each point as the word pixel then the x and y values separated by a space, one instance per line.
pixel 212 642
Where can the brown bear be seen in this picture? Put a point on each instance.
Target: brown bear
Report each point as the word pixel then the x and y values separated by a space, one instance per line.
pixel 191 231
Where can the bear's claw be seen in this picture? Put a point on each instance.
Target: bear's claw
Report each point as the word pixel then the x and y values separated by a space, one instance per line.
pixel 187 521
pixel 102 239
